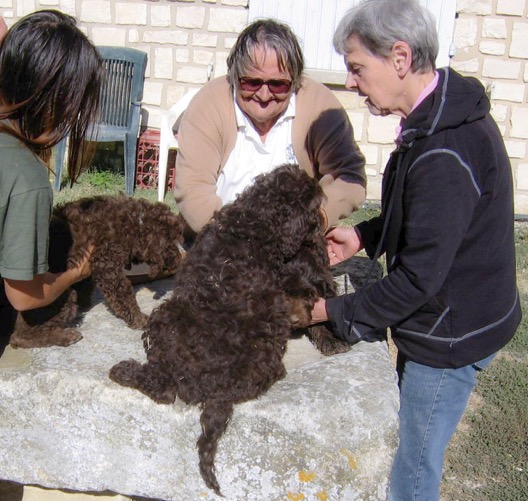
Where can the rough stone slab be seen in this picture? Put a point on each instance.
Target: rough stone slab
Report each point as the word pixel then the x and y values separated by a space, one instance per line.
pixel 327 431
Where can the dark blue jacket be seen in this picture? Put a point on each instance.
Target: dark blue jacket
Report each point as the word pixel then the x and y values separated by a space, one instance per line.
pixel 446 227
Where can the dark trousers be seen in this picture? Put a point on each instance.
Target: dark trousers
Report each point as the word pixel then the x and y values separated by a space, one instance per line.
pixel 60 242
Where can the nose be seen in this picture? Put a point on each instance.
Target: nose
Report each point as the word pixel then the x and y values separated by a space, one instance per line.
pixel 264 94
pixel 350 82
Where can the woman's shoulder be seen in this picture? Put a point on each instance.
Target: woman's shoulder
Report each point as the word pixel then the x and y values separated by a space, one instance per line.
pixel 217 92
pixel 213 102
pixel 312 89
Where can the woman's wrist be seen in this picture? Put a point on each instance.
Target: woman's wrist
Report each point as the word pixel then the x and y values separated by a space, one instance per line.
pixel 359 237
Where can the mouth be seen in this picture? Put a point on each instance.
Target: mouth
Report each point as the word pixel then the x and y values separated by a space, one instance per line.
pixel 263 104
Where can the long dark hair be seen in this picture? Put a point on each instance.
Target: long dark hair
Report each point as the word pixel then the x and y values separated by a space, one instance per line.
pixel 50 80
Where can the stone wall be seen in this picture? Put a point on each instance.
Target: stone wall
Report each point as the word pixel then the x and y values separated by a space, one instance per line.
pixel 490 40
pixel 188 40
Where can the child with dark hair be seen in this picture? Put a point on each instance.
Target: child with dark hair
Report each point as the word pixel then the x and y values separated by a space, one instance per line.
pixel 50 76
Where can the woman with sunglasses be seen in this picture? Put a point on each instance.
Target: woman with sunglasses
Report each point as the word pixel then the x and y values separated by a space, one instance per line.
pixel 50 76
pixel 265 113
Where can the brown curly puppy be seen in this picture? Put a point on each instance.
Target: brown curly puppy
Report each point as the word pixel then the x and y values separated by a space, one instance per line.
pixel 253 274
pixel 123 231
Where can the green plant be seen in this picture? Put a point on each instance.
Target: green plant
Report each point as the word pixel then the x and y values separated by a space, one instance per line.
pixel 102 179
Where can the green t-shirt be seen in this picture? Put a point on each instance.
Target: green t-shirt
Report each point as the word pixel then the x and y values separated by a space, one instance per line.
pixel 26 201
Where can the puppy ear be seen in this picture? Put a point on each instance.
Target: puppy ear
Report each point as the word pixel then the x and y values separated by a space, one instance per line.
pixel 303 225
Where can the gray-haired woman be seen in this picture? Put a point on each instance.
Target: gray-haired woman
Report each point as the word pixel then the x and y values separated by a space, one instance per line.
pixel 446 228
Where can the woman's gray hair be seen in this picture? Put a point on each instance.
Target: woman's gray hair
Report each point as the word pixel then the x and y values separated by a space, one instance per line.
pixel 271 35
pixel 378 24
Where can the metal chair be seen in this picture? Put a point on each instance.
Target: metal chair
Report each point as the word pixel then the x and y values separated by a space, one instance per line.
pixel 167 139
pixel 120 108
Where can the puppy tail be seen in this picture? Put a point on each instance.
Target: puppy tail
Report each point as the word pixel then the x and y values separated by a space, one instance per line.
pixel 214 419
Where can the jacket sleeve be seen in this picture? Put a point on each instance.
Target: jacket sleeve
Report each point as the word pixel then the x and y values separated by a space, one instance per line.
pixel 370 232
pixel 200 150
pixel 332 152
pixel 439 202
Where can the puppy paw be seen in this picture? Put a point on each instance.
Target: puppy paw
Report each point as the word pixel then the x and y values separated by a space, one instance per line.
pixel 65 337
pixel 325 341
pixel 125 372
pixel 138 321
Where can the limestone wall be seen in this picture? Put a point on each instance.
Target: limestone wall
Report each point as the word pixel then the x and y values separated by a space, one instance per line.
pixel 188 40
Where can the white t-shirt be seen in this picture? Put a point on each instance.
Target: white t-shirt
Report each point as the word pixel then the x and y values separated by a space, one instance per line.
pixel 251 157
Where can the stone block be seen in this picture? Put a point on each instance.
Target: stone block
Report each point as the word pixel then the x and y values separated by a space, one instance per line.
pixel 479 7
pixel 326 431
pixel 68 7
pixel 203 56
pixel 468 66
pixel 133 37
pixel 519 122
pixel 499 112
pixel 204 40
pixel 499 68
pixel 521 204
pixel 163 62
pixel 516 149
pixel 160 15
pixel 229 42
pixel 518 46
pixel 465 35
pixel 522 177
pixel 24 7
pixel 130 13
pixel 191 74
pixel 504 91
pixel 175 37
pixel 382 130
pixel 96 11
pixel 183 55
pixel 492 48
pixel 371 153
pixel 152 93
pixel 227 20
pixel 510 7
pixel 356 119
pixel 235 3
pixel 109 36
pixel 190 17
pixel 220 66
pixel 494 28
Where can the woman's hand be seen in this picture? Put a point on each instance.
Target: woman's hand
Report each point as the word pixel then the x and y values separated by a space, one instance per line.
pixel 319 312
pixel 45 288
pixel 342 243
pixel 84 265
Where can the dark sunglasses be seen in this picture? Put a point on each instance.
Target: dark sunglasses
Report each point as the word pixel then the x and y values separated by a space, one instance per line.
pixel 274 86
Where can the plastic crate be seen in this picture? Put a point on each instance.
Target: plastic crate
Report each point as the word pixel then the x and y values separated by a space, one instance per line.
pixel 147 161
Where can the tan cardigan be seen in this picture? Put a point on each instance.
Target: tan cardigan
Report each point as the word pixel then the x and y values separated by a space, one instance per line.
pixel 322 138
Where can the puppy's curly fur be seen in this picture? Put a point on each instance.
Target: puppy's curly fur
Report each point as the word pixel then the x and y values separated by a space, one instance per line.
pixel 123 231
pixel 252 275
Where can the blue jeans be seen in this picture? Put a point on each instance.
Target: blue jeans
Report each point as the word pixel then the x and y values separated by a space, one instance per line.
pixel 432 402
